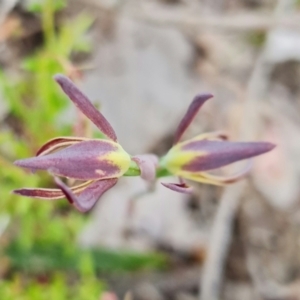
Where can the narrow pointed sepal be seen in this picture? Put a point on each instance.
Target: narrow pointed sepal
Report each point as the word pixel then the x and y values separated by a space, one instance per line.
pixel 40 193
pixel 85 106
pixel 50 194
pixel 58 143
pixel 194 156
pixel 193 109
pixel 178 187
pixel 213 136
pixel 86 200
pixel 87 160
pixel 226 179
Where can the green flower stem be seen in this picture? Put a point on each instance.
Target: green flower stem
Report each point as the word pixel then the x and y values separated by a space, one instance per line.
pixel 48 23
pixel 135 171
pixel 162 172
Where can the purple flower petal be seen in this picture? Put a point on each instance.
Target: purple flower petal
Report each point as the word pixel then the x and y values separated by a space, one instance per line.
pixel 57 143
pixel 88 198
pixel 147 164
pixel 178 187
pixel 216 154
pixel 87 160
pixel 194 107
pixel 86 107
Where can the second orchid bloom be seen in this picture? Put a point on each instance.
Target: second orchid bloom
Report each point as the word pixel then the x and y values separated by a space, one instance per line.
pixel 97 164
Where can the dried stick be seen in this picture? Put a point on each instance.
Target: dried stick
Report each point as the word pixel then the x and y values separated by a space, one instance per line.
pixel 211 280
pixel 5 9
pixel 241 22
pixel 157 15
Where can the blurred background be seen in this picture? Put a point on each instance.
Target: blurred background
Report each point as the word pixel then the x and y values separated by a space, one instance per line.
pixel 141 63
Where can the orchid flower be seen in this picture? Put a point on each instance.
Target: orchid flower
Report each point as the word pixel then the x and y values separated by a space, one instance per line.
pixel 99 163
pixel 192 159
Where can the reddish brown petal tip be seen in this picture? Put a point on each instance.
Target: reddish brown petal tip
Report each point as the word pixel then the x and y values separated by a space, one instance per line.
pixel 85 106
pixel 178 187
